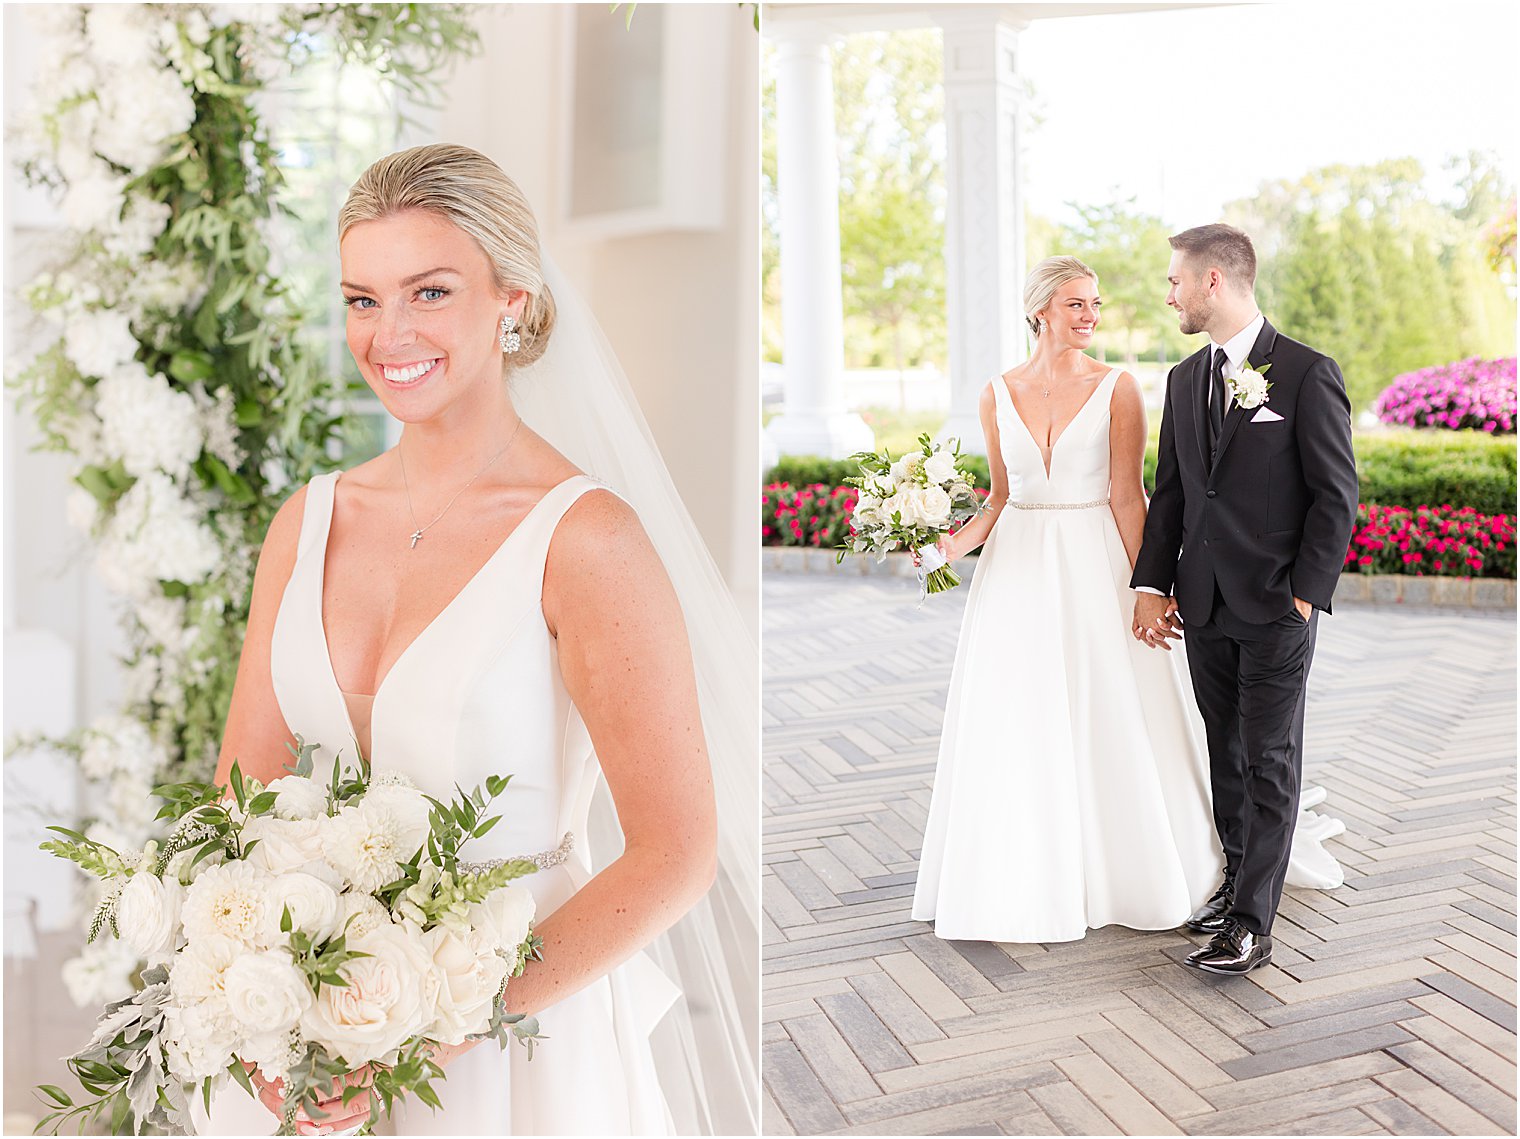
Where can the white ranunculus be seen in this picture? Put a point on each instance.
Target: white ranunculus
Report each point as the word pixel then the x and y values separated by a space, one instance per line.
pixel 232 900
pixel 940 467
pixel 313 904
pixel 266 992
pixel 391 995
pixel 470 974
pixel 146 423
pixel 367 843
pixel 99 342
pixel 504 917
pixel 298 797
pixel 935 506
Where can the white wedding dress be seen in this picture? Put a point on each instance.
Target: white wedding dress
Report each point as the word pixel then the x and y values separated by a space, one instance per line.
pixel 479 693
pixel 1072 789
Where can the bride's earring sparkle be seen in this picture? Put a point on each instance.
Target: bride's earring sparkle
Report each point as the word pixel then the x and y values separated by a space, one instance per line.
pixel 511 340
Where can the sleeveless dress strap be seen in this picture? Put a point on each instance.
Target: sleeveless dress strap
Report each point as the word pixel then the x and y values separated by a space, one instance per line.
pixel 316 516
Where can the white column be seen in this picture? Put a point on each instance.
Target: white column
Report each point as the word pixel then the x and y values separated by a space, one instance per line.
pixel 984 215
pixel 814 420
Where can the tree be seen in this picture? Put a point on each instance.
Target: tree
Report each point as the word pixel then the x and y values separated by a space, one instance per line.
pixel 1129 252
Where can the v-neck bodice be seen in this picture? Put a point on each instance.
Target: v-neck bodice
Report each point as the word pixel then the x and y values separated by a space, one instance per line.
pixel 478 692
pixel 1079 467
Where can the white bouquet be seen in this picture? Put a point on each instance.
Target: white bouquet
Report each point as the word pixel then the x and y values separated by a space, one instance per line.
pixel 305 930
pixel 909 503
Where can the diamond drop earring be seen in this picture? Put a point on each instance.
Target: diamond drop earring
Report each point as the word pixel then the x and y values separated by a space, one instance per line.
pixel 511 340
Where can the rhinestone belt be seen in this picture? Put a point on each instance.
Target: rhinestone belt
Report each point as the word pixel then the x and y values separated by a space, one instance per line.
pixel 544 861
pixel 1059 505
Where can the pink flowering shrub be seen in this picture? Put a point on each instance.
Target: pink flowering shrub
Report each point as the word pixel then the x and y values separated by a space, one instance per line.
pixel 1431 541
pixel 817 515
pixel 1472 395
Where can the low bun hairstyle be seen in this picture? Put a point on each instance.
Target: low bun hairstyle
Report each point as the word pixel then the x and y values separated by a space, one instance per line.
pixel 1046 277
pixel 471 191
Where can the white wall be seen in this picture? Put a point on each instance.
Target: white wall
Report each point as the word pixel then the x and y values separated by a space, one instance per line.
pixel 680 309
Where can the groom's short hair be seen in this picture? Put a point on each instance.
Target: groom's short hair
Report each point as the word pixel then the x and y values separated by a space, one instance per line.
pixel 1219 246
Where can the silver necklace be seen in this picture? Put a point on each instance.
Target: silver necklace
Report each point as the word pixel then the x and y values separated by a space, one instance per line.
pixel 417 533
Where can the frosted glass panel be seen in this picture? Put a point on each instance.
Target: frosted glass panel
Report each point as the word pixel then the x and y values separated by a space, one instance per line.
pixel 618 108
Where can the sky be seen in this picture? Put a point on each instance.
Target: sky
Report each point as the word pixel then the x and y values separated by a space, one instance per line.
pixel 1190 109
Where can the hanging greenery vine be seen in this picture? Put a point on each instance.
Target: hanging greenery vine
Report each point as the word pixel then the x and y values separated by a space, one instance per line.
pixel 172 366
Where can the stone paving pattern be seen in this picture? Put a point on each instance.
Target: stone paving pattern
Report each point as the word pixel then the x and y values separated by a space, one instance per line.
pixel 1391 1005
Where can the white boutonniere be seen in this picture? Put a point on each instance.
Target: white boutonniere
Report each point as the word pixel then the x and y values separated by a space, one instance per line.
pixel 1249 387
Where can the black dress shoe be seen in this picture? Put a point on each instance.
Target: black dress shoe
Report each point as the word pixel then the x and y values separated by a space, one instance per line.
pixel 1233 952
pixel 1213 915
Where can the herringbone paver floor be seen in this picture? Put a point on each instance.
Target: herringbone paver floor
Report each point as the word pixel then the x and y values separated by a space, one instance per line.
pixel 1391 1005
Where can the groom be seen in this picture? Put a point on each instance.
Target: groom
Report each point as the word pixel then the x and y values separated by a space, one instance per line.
pixel 1256 494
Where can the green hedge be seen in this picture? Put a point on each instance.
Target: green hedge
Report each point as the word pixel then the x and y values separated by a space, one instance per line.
pixel 1395 468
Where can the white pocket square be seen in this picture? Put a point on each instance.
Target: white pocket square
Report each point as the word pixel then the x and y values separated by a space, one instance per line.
pixel 1266 415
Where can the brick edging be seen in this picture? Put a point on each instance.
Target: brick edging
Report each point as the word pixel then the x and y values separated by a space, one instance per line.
pixel 1354 588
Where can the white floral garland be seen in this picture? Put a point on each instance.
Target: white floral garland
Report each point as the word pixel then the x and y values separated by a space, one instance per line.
pixel 115 102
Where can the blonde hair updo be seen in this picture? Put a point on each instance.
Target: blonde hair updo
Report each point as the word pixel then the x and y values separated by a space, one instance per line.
pixel 471 191
pixel 1044 279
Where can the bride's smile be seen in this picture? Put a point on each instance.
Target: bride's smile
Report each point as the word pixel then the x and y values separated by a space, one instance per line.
pixel 423 317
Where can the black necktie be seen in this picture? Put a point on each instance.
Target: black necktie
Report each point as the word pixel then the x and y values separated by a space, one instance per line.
pixel 1217 398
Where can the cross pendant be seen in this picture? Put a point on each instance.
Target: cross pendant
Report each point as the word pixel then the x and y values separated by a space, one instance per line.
pixel 416 537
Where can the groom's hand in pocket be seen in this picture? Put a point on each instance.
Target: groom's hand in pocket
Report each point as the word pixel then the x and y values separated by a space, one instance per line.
pixel 1156 621
pixel 1305 609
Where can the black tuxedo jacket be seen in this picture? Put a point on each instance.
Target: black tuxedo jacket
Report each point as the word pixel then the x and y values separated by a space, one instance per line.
pixel 1271 517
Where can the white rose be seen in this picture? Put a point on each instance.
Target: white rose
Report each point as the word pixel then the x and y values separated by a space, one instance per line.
pixel 289 844
pixel 313 904
pixel 232 900
pixel 470 974
pixel 935 506
pixel 297 797
pixel 265 992
pixel 391 995
pixel 504 917
pixel 147 913
pixel 940 467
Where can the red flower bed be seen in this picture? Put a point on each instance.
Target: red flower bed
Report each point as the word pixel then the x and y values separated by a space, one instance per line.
pixel 1431 541
pixel 816 515
pixel 1427 541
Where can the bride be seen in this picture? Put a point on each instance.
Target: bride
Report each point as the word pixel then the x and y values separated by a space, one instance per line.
pixel 471 602
pixel 1072 788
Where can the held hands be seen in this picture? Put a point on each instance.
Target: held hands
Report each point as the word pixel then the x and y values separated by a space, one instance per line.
pixel 1156 621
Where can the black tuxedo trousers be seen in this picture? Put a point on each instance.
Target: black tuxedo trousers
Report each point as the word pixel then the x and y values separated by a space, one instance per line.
pixel 1250 681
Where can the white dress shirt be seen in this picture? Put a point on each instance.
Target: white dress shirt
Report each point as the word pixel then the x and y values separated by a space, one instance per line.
pixel 1236 349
